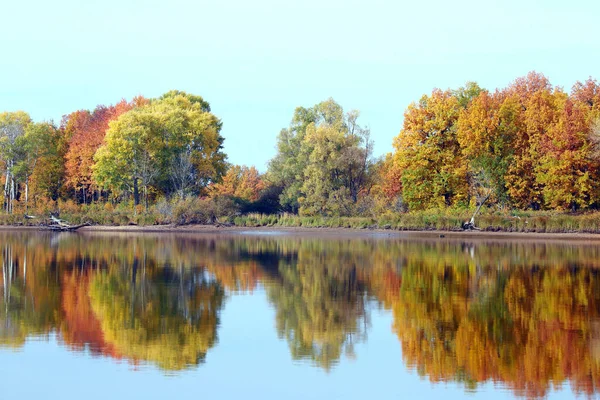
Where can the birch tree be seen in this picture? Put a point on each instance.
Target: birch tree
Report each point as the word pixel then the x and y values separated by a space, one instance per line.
pixel 12 126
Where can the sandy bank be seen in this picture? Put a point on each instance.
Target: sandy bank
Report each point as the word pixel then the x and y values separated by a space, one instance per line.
pixel 327 232
pixel 346 232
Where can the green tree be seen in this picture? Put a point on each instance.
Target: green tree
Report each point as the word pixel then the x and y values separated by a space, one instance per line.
pixel 336 171
pixel 467 93
pixel 323 160
pixel 286 169
pixel 171 145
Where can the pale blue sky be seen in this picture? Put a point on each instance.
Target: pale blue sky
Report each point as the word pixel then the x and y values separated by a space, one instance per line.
pixel 255 61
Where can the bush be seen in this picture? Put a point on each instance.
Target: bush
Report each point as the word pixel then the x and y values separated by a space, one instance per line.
pixel 194 210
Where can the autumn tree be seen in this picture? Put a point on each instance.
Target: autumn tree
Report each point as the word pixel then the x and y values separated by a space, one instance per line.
pixel 242 182
pixel 12 127
pixel 195 99
pixel 434 172
pixel 530 145
pixel 171 145
pixel 38 145
pixel 536 111
pixel 47 179
pixel 86 134
pixel 566 170
pixel 486 133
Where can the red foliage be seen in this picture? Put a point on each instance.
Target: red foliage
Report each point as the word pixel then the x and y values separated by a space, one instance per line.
pixel 85 132
pixel 80 328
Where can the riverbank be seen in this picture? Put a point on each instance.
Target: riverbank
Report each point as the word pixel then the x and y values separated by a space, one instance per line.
pixel 340 232
pixel 428 223
pixel 329 233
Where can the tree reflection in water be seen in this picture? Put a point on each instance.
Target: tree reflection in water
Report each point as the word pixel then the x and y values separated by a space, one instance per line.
pixel 521 314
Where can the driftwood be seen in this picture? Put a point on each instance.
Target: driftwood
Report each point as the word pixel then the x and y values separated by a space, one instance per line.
pixel 470 225
pixel 63 226
pixel 67 228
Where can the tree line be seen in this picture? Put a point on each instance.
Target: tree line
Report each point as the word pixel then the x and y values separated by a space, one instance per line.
pixel 527 146
pixel 530 145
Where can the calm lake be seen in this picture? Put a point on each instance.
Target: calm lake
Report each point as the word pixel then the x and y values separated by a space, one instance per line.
pixel 161 316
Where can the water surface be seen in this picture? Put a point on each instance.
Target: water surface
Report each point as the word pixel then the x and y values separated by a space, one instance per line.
pixel 276 316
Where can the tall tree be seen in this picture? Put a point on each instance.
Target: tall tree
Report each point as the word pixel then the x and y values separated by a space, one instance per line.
pixel 566 170
pixel 286 169
pixel 323 160
pixel 536 112
pixel 149 145
pixel 486 134
pixel 86 133
pixel 38 143
pixel 434 172
pixel 336 171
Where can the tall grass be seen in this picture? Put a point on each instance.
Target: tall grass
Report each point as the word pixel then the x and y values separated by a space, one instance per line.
pixel 542 222
pixel 207 211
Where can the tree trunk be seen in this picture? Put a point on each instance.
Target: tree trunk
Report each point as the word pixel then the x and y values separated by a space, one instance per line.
pixel 12 193
pixel 26 194
pixel 146 197
pixel 6 193
pixel 136 192
pixel 472 221
pixel 471 224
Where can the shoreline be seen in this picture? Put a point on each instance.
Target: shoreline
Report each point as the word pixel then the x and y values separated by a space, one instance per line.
pixel 323 232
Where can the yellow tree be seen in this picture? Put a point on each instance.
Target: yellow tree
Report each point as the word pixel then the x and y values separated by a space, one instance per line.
pixel 536 107
pixel 566 171
pixel 428 154
pixel 486 132
pixel 171 145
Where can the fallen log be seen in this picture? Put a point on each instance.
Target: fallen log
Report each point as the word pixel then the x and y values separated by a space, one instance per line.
pixel 65 227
